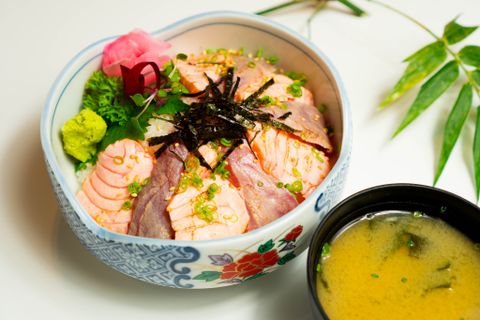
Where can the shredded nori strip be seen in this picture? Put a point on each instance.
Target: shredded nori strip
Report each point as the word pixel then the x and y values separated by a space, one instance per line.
pixel 216 115
pixel 285 115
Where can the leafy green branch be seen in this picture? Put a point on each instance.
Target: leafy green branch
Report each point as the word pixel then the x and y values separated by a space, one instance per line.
pixel 422 64
pixel 318 6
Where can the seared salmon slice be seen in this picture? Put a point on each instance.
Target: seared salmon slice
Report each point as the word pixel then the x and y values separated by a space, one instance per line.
pixel 304 118
pixel 105 191
pixel 254 73
pixel 290 160
pixel 192 71
pixel 213 211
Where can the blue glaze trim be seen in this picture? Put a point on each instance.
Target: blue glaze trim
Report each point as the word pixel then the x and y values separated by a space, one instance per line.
pixel 49 110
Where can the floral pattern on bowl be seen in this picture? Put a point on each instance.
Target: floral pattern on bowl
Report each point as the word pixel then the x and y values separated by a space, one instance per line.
pixel 255 264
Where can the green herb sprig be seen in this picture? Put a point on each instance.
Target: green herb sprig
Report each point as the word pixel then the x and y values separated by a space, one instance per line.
pixel 426 61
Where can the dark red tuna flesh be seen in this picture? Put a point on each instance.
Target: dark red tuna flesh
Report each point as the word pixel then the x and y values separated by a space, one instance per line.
pixel 265 201
pixel 150 218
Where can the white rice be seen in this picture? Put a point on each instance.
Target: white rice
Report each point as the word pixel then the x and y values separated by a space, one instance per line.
pixel 84 173
pixel 158 127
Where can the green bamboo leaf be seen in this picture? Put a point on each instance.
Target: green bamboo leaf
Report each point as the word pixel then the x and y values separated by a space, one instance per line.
pixel 476 76
pixel 470 55
pixel 453 32
pixel 420 65
pixel 453 127
pixel 476 153
pixel 278 7
pixel 356 10
pixel 429 92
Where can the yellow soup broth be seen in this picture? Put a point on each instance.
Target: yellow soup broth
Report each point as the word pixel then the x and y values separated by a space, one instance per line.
pixel 400 266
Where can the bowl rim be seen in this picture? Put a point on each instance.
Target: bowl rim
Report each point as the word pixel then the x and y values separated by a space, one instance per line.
pixel 311 265
pixel 247 19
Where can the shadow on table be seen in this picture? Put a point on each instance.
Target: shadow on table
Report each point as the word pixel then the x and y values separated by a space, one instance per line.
pixel 276 294
pixel 33 209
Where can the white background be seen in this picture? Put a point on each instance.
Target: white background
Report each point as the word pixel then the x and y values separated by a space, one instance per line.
pixel 44 271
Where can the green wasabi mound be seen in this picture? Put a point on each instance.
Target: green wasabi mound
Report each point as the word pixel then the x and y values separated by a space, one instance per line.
pixel 82 133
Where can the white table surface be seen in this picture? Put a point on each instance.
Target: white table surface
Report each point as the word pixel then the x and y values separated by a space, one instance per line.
pixel 44 271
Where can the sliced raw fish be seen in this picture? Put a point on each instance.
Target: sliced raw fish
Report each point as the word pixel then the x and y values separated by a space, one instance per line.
pixel 306 119
pixel 150 218
pixel 253 74
pixel 228 215
pixel 192 71
pixel 289 159
pixel 264 199
pixel 104 192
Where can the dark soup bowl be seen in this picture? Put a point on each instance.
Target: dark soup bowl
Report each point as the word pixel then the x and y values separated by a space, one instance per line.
pixel 452 209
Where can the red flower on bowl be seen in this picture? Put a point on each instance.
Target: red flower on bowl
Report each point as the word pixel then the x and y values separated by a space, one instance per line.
pixel 249 265
pixel 293 235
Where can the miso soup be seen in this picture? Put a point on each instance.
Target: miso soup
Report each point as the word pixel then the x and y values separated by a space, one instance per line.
pixel 400 266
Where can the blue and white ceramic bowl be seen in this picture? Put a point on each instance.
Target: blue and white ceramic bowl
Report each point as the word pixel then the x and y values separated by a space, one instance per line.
pixel 213 263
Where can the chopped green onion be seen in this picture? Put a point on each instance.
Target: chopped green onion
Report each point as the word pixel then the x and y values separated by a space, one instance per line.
pixel 301 78
pixel 272 60
pixel 212 189
pixel 127 205
pixel 259 53
pixel 318 155
pixel 260 183
pixel 266 100
pixel 322 108
pixel 197 181
pixel 204 209
pixel 295 187
pixel 182 56
pixel 417 214
pixel 134 188
pixel 374 276
pixel 279 184
pixel 404 280
pixel 410 243
pixel 325 250
pixel 251 64
pixel 225 142
pixel 146 181
pixel 296 173
pixel 222 171
pixel 295 89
